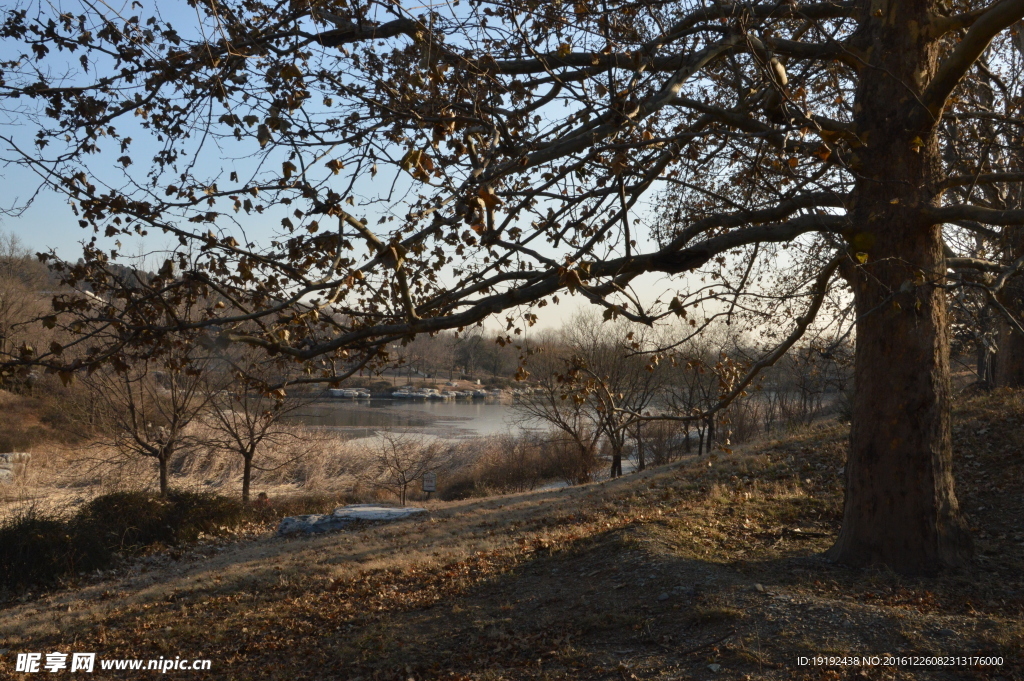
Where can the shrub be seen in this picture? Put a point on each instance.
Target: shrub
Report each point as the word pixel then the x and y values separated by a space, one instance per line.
pixel 192 514
pixel 39 550
pixel 298 504
pixel 17 439
pixel 130 521
pixel 663 442
pixel 514 463
pixel 462 487
pixel 568 461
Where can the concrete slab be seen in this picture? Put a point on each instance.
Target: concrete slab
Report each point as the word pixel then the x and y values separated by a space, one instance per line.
pixel 344 516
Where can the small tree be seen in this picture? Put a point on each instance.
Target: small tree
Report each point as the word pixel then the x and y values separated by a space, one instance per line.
pixel 248 417
pixel 569 415
pixel 149 406
pixel 694 385
pixel 611 369
pixel 397 460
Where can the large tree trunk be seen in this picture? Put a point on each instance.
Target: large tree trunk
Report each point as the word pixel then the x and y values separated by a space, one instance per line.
pixel 900 507
pixel 1009 360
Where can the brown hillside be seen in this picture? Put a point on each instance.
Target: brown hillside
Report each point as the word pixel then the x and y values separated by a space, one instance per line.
pixel 706 570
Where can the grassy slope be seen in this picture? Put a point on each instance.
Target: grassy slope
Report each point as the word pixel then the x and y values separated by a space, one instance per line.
pixel 656 576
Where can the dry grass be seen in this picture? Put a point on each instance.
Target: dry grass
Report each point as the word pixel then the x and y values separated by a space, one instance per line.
pixel 61 476
pixel 654 576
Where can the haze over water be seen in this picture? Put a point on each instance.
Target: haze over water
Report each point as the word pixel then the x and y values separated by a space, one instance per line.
pixel 446 420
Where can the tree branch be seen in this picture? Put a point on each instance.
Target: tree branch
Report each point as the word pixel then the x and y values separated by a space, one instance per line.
pixel 818 291
pixel 986 178
pixel 353 33
pixel 987 216
pixel 997 18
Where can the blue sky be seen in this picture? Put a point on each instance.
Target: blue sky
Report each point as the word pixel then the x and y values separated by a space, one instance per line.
pixel 50 224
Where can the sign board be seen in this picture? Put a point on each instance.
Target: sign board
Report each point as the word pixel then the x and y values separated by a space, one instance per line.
pixel 430 482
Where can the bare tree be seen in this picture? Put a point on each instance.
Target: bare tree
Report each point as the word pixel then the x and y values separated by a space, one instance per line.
pixel 610 369
pixel 149 406
pixel 399 460
pixel 23 280
pixel 246 415
pixel 692 389
pixel 564 411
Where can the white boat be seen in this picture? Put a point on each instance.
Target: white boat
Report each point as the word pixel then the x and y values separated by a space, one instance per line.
pixel 348 392
pixel 351 393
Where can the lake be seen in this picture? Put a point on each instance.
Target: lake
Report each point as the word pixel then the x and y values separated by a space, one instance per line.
pixel 447 419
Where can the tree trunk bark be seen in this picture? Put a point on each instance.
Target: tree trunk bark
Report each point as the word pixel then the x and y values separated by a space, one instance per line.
pixel 1009 360
pixel 900 508
pixel 641 459
pixel 986 364
pixel 162 461
pixel 246 477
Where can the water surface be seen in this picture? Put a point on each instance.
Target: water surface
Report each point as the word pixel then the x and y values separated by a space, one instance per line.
pixel 445 419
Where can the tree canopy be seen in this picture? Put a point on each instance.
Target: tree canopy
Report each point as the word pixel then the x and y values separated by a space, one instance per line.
pixel 427 167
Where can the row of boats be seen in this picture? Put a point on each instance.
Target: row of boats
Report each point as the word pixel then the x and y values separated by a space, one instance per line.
pixel 434 394
pixel 354 393
pixel 419 394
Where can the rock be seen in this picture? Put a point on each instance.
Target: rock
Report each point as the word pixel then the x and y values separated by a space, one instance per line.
pixel 342 517
pixel 715 667
pixel 663 597
pixel 12 465
pixel 946 633
pixel 374 512
pixel 311 524
pixel 759 588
